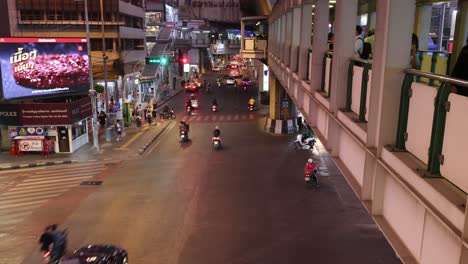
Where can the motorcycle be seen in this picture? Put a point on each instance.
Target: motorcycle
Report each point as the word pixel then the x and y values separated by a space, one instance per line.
pixel 183 135
pixel 307 143
pixel 60 248
pixel 216 142
pixel 251 107
pixel 214 108
pixel 189 110
pixel 168 115
pixel 245 88
pixel 219 84
pixel 311 180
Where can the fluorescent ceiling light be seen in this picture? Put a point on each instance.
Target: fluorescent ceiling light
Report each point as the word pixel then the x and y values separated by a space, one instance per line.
pixel 258 23
pixel 332 1
pixel 330 6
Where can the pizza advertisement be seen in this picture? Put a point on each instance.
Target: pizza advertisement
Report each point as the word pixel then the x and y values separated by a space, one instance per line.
pixel 37 67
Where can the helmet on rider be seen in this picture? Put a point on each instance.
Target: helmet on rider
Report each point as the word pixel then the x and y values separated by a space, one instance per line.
pixel 309 161
pixel 216 127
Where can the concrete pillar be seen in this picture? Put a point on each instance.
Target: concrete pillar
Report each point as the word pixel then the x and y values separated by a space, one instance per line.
pixel 319 45
pixel 306 33
pixel 296 31
pixel 343 49
pixel 461 31
pixel 242 35
pixel 284 22
pixel 394 27
pixel 275 97
pixel 281 33
pixel 422 24
pixel 371 19
pixel 288 35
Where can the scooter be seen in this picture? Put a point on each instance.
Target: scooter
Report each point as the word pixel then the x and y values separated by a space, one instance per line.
pixel 183 135
pixel 214 108
pixel 308 143
pixel 251 107
pixel 311 180
pixel 216 142
pixel 245 88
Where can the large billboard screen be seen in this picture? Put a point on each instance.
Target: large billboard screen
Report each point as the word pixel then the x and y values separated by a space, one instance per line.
pixel 36 67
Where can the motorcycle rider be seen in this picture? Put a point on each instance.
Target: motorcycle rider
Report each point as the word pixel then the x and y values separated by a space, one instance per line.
pixel 252 101
pixel 183 126
pixel 47 238
pixel 311 170
pixel 216 132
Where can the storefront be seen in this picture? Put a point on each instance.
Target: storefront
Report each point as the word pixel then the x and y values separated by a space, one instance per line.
pixel 63 125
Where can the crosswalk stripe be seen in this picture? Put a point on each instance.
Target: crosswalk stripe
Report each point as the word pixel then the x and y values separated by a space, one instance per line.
pixel 47 177
pixel 213 118
pixel 236 117
pixel 72 169
pixel 11 221
pixel 31 193
pixel 63 188
pixel 37 198
pixel 221 118
pixel 244 117
pixel 76 179
pixel 42 185
pixel 20 204
pixel 19 209
pixel 251 117
pixel 14 215
pixel 229 117
pixel 206 118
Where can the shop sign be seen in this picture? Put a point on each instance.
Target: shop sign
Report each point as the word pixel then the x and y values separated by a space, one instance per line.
pixel 30 145
pixel 81 109
pixel 30 131
pixel 9 114
pixel 46 114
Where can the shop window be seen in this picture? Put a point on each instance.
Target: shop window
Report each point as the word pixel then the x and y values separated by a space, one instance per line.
pixel 79 129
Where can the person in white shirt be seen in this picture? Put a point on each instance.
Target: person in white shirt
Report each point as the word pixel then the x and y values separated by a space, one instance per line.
pixel 358 42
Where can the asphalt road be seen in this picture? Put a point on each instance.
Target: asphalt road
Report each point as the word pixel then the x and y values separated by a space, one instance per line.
pixel 186 203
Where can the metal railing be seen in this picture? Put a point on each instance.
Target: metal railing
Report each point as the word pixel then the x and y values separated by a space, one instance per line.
pixel 441 108
pixel 438 64
pixel 366 65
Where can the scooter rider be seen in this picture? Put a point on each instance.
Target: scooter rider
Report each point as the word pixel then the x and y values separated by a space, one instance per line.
pixel 311 170
pixel 252 101
pixel 216 132
pixel 184 126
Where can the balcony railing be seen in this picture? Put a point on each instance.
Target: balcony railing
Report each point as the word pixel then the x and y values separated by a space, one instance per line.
pixel 432 125
pixel 358 90
pixel 434 62
pixel 254 48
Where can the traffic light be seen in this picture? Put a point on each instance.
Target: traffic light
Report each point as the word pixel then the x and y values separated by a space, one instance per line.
pixel 184 60
pixel 157 60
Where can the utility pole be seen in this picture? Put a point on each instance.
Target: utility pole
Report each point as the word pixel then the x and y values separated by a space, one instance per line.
pixel 92 92
pixel 104 58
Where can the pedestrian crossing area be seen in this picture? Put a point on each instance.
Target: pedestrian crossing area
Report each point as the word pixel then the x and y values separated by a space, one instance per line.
pixel 218 117
pixel 29 191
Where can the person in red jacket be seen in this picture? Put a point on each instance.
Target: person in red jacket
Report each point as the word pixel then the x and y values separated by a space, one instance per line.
pixel 311 170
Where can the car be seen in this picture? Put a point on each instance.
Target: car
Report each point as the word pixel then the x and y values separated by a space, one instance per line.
pixel 246 81
pixel 230 81
pixel 97 254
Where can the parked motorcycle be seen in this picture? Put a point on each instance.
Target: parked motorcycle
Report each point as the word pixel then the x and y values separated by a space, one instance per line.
pixel 307 143
pixel 168 115
pixel 216 142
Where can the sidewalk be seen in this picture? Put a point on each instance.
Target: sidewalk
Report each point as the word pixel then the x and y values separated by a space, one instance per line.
pixel 133 143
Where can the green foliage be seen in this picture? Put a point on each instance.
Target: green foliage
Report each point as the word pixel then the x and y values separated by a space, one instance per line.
pixel 98 88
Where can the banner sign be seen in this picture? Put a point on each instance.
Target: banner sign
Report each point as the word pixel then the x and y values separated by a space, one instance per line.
pixel 30 145
pixel 81 109
pixel 35 67
pixel 46 114
pixel 9 114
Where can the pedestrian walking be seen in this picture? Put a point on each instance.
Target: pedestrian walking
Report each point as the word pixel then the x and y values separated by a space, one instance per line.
pixel 118 129
pixel 460 71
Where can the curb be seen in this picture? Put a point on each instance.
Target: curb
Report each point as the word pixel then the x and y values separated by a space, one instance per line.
pixel 36 164
pixel 149 142
pixel 160 104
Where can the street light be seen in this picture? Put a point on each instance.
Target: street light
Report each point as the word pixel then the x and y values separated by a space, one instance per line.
pixel 92 92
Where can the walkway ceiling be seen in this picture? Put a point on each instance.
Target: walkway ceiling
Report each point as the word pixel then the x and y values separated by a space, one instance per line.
pixel 256 7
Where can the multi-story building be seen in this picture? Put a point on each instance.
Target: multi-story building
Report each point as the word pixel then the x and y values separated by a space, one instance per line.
pixel 124 36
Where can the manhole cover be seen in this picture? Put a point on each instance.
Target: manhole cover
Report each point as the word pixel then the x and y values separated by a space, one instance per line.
pixel 91 183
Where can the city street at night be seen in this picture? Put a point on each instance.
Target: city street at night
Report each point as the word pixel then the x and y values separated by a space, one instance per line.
pixel 247 203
